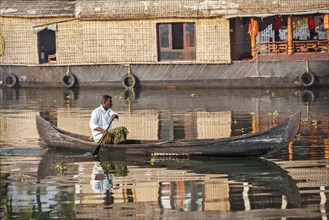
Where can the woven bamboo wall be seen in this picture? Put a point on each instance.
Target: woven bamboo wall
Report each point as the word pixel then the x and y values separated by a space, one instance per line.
pixel 81 42
pixel 135 41
pixel 1 36
pixel 20 42
pixel 106 42
pixel 213 41
pixel 70 43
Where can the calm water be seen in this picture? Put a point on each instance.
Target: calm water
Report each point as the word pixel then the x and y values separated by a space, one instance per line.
pixel 38 183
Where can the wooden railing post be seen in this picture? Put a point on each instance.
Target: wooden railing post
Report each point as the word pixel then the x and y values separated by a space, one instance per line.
pixel 290 35
pixel 253 46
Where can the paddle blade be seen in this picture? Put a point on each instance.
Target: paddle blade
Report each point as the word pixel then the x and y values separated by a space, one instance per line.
pixel 96 151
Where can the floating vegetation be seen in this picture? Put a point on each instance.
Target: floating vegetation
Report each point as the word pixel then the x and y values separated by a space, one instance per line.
pixel 241 130
pixel 153 160
pixel 61 168
pixel 304 120
pixel 298 136
pixel 274 114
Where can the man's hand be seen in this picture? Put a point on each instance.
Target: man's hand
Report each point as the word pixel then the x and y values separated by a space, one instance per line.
pixel 114 116
pixel 101 130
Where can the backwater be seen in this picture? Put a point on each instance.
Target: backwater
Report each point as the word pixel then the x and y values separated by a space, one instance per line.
pixel 39 183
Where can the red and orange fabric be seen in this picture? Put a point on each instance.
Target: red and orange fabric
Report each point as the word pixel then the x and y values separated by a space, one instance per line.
pixel 326 22
pixel 276 23
pixel 311 23
pixel 253 28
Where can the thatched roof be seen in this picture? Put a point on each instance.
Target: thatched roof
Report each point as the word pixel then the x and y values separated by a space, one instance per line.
pixel 37 8
pixel 140 9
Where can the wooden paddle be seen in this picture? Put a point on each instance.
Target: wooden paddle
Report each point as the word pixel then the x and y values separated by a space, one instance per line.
pixel 96 151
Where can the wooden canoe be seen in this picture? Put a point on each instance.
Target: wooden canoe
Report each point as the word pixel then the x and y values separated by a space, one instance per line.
pixel 257 144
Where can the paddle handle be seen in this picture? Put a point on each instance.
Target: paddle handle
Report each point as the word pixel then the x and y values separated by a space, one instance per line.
pixel 108 127
pixel 102 138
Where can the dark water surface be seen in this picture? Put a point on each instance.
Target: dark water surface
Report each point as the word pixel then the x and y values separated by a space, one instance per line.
pixel 38 183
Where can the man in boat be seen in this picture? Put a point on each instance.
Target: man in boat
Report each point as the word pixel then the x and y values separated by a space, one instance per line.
pixel 101 121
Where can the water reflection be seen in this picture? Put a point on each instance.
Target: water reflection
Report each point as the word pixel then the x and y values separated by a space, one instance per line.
pixel 293 183
pixel 87 185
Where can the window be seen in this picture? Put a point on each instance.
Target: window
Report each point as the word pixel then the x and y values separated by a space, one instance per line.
pixel 46 45
pixel 176 41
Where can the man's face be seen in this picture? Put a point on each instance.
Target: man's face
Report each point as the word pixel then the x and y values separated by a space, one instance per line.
pixel 107 104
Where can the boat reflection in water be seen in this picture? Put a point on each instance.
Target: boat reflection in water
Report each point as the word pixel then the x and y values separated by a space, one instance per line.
pixel 136 186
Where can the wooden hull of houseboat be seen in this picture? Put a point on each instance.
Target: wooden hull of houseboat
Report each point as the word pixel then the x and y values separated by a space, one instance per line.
pixel 262 72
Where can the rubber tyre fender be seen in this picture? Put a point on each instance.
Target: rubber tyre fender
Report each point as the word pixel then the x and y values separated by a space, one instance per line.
pixel 307 79
pixel 68 81
pixel 307 96
pixel 129 81
pixel 129 94
pixel 11 80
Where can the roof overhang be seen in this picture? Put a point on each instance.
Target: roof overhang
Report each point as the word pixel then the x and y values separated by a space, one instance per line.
pixel 276 14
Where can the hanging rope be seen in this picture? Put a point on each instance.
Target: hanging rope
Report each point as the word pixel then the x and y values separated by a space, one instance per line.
pixel 68 72
pixel 2 46
pixel 307 67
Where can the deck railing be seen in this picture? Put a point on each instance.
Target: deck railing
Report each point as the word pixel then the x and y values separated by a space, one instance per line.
pixel 281 47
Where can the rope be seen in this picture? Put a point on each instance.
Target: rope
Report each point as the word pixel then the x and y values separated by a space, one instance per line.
pixel 68 72
pixel 307 66
pixel 2 46
pixel 129 70
pixel 257 67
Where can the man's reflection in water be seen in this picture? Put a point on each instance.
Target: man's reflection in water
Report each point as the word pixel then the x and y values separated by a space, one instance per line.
pixel 102 182
pixel 102 179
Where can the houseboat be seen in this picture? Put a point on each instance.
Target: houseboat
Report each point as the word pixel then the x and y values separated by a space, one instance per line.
pixel 164 43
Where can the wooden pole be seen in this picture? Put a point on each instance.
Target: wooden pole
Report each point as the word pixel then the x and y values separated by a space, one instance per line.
pixel 253 46
pixel 326 25
pixel 290 35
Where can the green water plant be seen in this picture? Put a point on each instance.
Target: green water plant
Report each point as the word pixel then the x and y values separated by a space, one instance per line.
pixel 61 168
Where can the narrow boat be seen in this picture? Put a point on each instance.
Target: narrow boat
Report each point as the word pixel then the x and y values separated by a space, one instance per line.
pixel 257 144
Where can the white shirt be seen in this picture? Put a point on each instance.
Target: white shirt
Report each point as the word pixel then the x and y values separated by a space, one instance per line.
pixel 100 181
pixel 322 35
pixel 100 118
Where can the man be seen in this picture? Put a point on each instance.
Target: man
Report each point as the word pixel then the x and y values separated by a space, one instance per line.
pixel 101 119
pixel 321 25
pixel 322 32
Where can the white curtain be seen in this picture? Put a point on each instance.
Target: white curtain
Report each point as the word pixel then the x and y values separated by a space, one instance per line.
pixel 38 28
